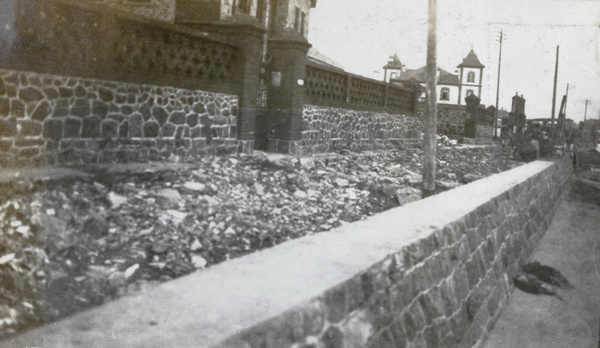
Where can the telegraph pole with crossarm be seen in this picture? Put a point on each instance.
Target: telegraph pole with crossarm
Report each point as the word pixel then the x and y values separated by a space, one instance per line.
pixel 501 37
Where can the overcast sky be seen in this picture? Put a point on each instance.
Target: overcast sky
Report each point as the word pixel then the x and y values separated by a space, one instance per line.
pixel 362 35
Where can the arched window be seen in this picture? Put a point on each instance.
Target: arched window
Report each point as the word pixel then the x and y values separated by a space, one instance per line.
pixel 445 93
pixel 471 76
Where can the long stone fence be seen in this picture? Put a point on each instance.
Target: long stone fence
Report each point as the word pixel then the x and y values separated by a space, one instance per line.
pixel 433 273
pixel 59 120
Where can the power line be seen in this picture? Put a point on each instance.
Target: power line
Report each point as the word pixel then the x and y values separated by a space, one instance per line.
pixel 541 24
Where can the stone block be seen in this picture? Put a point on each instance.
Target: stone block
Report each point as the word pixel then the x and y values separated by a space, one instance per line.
pixel 120 99
pixel 448 297
pixel 99 109
pixel 418 316
pixel 432 337
pixel 4 106
pixel 332 338
pixel 489 251
pixel 30 128
pixel 124 129
pixel 40 160
pixel 356 330
pixel 109 129
pixel 211 109
pixel 11 91
pixel 81 108
pixel 199 108
pixel 131 97
pixel 368 285
pixel 135 125
pixel 160 115
pixel 460 282
pixel 30 94
pixel 105 94
pixel 191 120
pixel 313 316
pixel 69 156
pixel 447 235
pixel 154 155
pixel 274 334
pixel 145 111
pixel 127 110
pixel 5 145
pixel 431 303
pixel 121 156
pixel 90 127
pixel 494 300
pixel 17 108
pixel 411 328
pixel 383 339
pixel 80 91
pixel 89 157
pixel 151 129
pixel 195 132
pixel 476 328
pixel 336 303
pixel 41 111
pixel 354 292
pixel 473 239
pixel 177 118
pixel 65 93
pixel 415 253
pixel 8 127
pixel 72 128
pixel 51 93
pixel 380 311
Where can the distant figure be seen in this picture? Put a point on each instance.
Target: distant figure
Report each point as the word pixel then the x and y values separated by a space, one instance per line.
pixel 545 144
pixel 570 139
pixel 534 136
pixel 530 148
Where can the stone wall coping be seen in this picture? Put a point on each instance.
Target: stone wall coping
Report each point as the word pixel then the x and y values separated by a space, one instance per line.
pixel 207 307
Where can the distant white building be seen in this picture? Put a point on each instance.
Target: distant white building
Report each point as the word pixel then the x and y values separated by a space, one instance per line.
pixel 451 88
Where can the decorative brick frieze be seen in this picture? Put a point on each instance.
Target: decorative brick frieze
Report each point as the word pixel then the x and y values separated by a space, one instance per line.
pixel 47 115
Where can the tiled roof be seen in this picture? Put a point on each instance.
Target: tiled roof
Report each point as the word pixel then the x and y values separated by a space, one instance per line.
pixel 394 63
pixel 471 61
pixel 321 59
pixel 419 75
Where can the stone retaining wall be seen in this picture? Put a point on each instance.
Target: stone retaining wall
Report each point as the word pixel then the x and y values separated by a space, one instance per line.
pixel 50 119
pixel 327 129
pixel 450 119
pixel 485 131
pixel 433 273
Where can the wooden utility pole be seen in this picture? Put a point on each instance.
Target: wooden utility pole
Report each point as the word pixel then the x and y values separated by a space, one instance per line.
pixel 554 92
pixel 501 37
pixel 430 104
pixel 585 113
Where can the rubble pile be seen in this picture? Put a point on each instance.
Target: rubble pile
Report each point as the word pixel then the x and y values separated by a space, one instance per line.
pixel 72 244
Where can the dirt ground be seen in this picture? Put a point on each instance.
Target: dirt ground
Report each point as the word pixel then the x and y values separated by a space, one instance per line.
pixel 571 245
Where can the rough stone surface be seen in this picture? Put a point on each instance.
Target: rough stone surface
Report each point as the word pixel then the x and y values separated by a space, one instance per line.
pixel 59 107
pixel 326 129
pixel 402 278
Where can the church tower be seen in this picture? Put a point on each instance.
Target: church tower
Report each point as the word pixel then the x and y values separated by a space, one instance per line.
pixel 470 77
pixel 395 67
